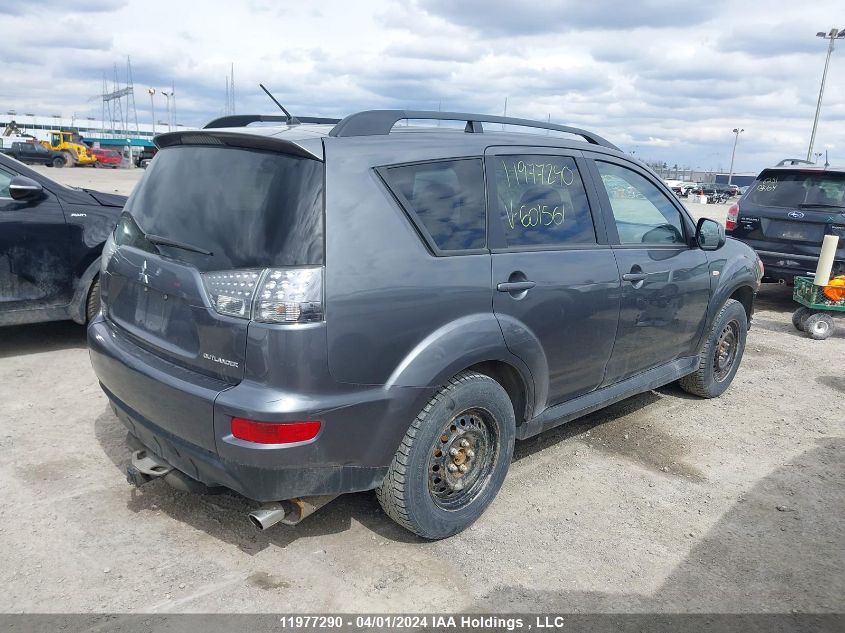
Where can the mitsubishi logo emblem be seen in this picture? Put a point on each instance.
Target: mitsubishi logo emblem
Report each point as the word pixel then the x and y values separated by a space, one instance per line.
pixel 143 277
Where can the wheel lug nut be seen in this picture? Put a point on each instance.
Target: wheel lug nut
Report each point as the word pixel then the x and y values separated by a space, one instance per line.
pixel 453 452
pixel 463 468
pixel 464 444
pixel 452 468
pixel 470 454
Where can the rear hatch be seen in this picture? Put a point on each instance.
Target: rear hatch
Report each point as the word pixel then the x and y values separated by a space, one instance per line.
pixel 197 238
pixel 791 210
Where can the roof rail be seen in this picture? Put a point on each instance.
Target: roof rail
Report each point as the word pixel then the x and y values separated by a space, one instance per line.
pixel 242 120
pixel 794 161
pixel 380 122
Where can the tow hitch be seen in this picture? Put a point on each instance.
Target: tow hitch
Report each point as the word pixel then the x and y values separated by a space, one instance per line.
pixel 145 467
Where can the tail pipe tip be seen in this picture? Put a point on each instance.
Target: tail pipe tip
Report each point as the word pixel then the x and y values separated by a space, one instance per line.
pixel 289 512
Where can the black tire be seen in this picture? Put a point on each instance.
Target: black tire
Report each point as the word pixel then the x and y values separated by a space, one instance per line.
pixel 92 304
pixel 721 353
pixel 58 162
pixel 799 316
pixel 819 326
pixel 69 159
pixel 473 416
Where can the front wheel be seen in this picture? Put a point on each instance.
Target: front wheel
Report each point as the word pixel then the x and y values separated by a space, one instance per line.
pixel 721 353
pixel 453 459
pixel 819 326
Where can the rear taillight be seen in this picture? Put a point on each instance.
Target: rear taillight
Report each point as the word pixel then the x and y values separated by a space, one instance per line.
pixel 271 295
pixel 733 214
pixel 274 433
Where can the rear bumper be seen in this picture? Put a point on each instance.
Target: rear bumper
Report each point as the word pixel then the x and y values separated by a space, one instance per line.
pixel 185 418
pixel 786 266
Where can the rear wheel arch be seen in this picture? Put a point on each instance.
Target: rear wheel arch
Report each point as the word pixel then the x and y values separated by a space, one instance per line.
pixel 513 382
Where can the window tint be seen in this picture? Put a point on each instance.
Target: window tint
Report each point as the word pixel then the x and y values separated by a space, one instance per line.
pixel 642 213
pixel 5 179
pixel 447 198
pixel 782 188
pixel 251 209
pixel 541 201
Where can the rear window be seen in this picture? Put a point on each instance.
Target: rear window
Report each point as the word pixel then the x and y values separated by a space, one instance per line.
pixel 780 188
pixel 250 209
pixel 445 199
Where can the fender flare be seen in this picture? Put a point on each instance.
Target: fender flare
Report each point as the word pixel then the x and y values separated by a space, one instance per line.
pixel 465 342
pixel 76 308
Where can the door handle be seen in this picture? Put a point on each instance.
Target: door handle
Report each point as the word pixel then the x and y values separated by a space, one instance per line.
pixel 634 277
pixel 515 286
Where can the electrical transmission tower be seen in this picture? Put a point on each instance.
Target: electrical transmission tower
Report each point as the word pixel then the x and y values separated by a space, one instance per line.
pixel 118 107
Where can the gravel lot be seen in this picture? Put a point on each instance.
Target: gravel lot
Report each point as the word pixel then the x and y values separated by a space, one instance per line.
pixel 663 502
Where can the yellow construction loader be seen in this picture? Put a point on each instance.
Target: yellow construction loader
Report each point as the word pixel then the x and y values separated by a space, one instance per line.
pixel 70 144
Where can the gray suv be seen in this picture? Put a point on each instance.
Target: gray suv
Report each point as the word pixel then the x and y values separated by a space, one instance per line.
pixel 315 307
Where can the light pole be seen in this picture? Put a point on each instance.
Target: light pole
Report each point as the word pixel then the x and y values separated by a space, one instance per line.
pixel 169 122
pixel 152 92
pixel 833 35
pixel 737 131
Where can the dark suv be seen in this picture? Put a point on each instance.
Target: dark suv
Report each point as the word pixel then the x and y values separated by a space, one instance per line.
pixel 302 310
pixel 785 215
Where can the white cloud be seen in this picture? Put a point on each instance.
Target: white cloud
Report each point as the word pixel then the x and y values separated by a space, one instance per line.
pixel 668 80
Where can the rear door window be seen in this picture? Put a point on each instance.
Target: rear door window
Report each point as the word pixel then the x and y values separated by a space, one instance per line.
pixel 541 201
pixel 783 188
pixel 445 200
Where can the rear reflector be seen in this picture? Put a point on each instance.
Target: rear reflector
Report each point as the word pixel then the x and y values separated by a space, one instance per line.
pixel 274 433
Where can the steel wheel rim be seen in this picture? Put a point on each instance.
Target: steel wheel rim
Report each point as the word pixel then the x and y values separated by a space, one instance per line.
pixel 462 459
pixel 726 348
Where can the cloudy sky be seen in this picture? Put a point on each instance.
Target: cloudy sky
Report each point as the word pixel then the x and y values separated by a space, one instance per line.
pixel 666 80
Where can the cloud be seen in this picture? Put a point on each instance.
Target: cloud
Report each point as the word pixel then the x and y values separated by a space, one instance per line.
pixel 668 80
pixel 527 17
pixel 24 7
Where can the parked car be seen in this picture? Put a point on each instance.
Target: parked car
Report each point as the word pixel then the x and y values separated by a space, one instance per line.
pixel 106 158
pixel 35 154
pixel 51 237
pixel 785 215
pixel 323 320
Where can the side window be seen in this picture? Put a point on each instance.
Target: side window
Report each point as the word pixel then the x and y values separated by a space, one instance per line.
pixel 642 213
pixel 541 201
pixel 446 200
pixel 5 179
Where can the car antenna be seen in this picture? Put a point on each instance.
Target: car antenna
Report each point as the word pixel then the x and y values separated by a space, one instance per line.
pixel 292 120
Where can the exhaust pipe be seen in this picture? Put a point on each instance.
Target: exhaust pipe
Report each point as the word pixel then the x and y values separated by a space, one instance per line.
pixel 289 512
pixel 268 515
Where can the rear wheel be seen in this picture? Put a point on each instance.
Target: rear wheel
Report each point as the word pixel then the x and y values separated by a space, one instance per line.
pixel 58 162
pixel 819 326
pixel 721 353
pixel 92 305
pixel 453 459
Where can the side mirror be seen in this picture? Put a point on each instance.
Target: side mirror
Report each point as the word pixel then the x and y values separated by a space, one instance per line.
pixel 709 234
pixel 23 188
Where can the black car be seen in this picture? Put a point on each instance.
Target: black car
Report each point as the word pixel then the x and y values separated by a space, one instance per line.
pixel 785 215
pixel 51 238
pixel 35 154
pixel 359 305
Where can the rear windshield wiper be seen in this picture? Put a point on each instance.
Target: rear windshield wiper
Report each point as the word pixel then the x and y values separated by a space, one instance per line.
pixel 820 205
pixel 163 241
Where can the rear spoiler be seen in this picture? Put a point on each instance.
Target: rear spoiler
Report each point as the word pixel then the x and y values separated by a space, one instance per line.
pixel 244 140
